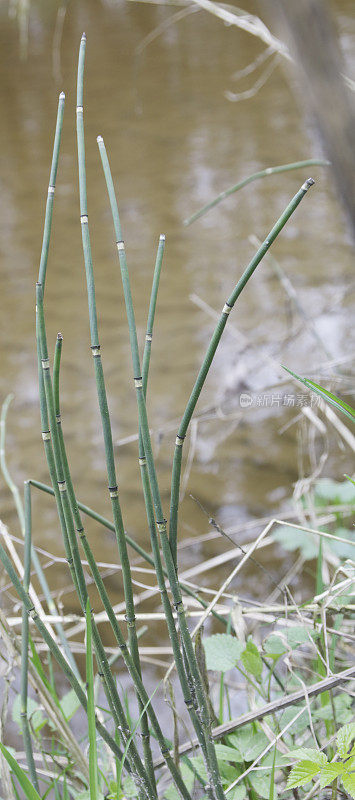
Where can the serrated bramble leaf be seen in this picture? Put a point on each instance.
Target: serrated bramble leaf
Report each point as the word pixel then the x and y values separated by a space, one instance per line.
pixel 348 782
pixel 329 772
pixel 222 651
pixel 300 540
pixel 302 773
pixel 338 492
pixel 308 754
pixel 345 736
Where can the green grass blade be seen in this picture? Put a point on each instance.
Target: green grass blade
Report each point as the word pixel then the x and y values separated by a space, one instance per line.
pixel 327 396
pixel 93 772
pixel 272 777
pixel 26 732
pixel 29 790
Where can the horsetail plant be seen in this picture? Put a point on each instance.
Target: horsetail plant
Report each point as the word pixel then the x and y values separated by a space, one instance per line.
pixel 73 557
pixel 123 742
pixel 129 661
pixel 201 721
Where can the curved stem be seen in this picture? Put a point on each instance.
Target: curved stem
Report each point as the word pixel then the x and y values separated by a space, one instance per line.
pixel 216 337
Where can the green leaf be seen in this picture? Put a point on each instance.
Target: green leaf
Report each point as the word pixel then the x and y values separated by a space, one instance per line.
pixel 171 793
pixel 296 539
pixel 328 396
pixel 297 635
pixel 299 724
pixel 256 745
pixel 345 736
pixel 251 660
pixel 239 792
pixel 69 704
pixel 302 773
pixel 341 549
pixel 242 739
pixel 261 784
pixel 34 712
pixel 329 772
pixel 26 785
pixel 225 753
pixel 349 783
pixel 129 786
pixel 308 754
pixel 274 646
pixel 222 651
pixel 343 713
pixel 337 492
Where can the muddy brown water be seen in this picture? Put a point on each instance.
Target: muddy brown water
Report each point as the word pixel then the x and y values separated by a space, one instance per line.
pixel 174 141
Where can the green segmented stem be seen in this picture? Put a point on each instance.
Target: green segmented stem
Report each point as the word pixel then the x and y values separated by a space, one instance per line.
pixel 208 748
pixel 51 188
pixel 54 649
pixel 151 312
pixel 101 390
pixel 131 665
pixel 24 642
pixel 148 500
pixel 95 347
pixel 73 557
pixel 42 400
pixel 52 609
pixel 43 487
pixel 263 173
pixel 176 472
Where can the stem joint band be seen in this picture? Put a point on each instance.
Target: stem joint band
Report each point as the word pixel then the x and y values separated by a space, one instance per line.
pixel 226 309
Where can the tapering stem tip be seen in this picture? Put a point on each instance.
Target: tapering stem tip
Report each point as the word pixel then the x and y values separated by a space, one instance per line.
pixel 99 139
pixel 83 36
pixel 162 237
pixel 62 96
pixel 309 182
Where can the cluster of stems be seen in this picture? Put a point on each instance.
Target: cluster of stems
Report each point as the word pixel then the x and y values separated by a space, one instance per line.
pixel 163 546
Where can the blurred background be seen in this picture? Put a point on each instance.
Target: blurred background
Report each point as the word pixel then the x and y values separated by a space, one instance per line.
pixel 187 105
